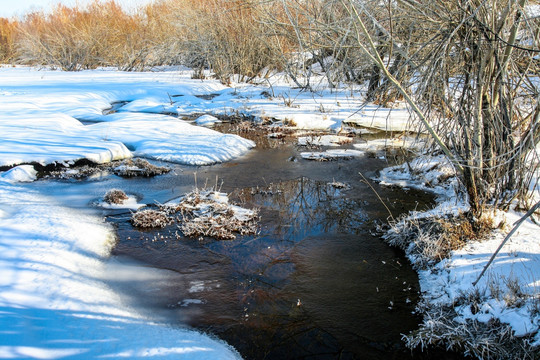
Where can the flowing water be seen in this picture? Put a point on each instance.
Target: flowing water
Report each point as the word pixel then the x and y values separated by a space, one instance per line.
pixel 317 282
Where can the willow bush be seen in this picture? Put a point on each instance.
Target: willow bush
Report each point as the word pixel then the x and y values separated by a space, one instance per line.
pixel 8 31
pixel 468 69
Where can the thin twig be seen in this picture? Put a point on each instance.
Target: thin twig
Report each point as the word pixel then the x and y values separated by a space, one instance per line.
pixel 377 194
pixel 517 224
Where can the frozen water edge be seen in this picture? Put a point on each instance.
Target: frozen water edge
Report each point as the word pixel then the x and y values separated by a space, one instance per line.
pixel 53 298
pixel 447 282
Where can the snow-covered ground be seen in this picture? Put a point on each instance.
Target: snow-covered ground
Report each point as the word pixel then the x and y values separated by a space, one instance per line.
pixel 510 289
pixel 53 300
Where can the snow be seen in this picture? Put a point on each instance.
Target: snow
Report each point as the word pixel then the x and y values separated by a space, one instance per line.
pixel 53 299
pixel 433 174
pixel 331 154
pixel 47 106
pixel 130 203
pixel 207 120
pixel 517 264
pixel 323 140
pixel 511 287
pixel 22 173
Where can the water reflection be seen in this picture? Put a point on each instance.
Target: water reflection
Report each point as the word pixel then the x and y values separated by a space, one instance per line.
pixel 314 282
pixel 306 207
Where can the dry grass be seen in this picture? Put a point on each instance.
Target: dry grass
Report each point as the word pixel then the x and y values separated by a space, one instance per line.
pixel 429 240
pixel 137 167
pixel 491 340
pixel 227 36
pixel 115 196
pixel 126 168
pixel 205 214
pixel 201 213
pixel 150 219
pixel 8 31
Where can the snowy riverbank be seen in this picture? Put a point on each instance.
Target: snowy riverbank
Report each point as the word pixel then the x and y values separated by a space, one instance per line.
pixel 499 312
pixel 52 256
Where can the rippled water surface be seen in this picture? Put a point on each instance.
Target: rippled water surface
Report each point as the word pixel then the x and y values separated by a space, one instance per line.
pixel 317 282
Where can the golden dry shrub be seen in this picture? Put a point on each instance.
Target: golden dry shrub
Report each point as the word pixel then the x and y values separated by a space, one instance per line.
pixel 76 38
pixel 8 33
pixel 227 36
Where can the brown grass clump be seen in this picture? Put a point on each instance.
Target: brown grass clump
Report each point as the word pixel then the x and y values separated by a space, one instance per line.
pixel 431 239
pixel 206 213
pixel 115 196
pixel 150 219
pixel 201 213
pixel 137 167
pixel 126 168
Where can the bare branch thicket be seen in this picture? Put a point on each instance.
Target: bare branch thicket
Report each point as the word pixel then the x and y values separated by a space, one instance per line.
pixel 228 37
pixel 8 32
pixel 476 86
pixel 466 68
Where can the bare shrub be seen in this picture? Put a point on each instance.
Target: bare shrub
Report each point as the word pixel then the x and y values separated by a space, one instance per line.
pixel 115 196
pixel 150 219
pixel 8 32
pixel 76 38
pixel 227 36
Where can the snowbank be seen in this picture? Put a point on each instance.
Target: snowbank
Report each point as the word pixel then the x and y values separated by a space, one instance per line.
pixel 53 302
pixel 42 113
pixel 510 288
pixel 22 173
pixel 509 292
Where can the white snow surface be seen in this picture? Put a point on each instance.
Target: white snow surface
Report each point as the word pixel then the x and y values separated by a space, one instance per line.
pixel 53 299
pixel 53 302
pixel 517 266
pixel 517 263
pixel 41 113
pixel 21 173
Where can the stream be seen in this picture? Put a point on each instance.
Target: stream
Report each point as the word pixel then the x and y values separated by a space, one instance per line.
pixel 316 282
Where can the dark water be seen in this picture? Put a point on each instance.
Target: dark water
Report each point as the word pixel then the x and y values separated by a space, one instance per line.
pixel 316 283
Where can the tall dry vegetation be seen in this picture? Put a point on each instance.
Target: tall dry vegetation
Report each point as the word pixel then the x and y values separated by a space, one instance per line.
pixel 76 38
pixel 227 36
pixel 466 67
pixel 8 30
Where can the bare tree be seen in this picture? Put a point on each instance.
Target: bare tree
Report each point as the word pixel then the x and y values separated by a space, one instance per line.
pixel 465 67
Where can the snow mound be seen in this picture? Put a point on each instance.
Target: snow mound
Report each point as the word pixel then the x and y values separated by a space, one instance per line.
pixel 163 137
pixel 21 173
pixel 53 301
pixel 207 120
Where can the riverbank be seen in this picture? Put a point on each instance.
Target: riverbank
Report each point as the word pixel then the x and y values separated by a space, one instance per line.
pixel 496 316
pixel 56 119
